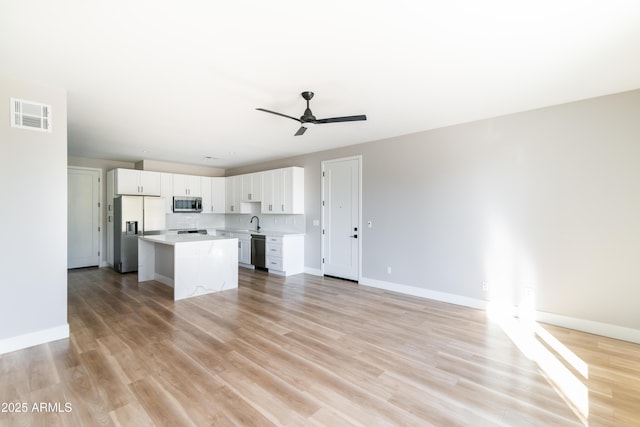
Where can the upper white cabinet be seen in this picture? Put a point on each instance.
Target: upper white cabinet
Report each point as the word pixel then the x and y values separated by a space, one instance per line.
pixel 233 194
pixel 137 182
pixel 278 191
pixel 283 191
pixel 187 185
pixel 218 195
pixel 213 194
pixel 166 190
pixel 252 187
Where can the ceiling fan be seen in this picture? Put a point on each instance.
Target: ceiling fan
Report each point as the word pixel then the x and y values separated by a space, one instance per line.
pixel 308 119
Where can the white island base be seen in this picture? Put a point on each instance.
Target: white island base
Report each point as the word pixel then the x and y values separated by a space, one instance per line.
pixel 192 265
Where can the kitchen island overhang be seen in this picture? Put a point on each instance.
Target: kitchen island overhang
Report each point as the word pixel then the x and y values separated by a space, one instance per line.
pixel 192 264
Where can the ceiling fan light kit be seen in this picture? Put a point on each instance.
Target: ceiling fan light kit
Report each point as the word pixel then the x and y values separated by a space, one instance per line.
pixel 308 119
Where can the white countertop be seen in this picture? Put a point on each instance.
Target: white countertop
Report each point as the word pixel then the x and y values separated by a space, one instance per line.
pixel 262 232
pixel 172 239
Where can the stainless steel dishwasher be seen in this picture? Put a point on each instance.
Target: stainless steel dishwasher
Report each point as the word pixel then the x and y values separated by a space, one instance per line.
pixel 258 251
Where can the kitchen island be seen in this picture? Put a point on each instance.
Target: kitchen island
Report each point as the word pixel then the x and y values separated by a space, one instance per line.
pixel 192 264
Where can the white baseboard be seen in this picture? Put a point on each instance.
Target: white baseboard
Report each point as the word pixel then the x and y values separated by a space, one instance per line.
pixel 34 338
pixel 589 326
pixel 313 271
pixel 425 293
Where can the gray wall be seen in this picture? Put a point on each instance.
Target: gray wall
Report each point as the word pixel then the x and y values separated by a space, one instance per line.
pixel 33 246
pixel 546 199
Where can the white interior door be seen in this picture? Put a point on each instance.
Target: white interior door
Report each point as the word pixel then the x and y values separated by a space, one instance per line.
pixel 83 217
pixel 341 218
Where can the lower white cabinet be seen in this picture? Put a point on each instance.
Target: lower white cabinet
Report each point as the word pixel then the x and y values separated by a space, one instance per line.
pixel 244 247
pixel 285 254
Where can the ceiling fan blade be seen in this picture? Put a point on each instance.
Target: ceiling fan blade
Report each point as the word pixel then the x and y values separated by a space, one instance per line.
pixel 278 114
pixel 341 119
pixel 301 131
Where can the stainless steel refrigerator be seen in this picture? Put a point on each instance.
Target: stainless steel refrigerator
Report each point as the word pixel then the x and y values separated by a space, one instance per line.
pixel 133 217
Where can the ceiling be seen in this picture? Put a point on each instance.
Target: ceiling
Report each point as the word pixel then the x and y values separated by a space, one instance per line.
pixel 181 81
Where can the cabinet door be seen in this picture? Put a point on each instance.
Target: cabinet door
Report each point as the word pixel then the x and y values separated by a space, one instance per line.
pixel 205 188
pixel 257 185
pixel 237 192
pixel 150 183
pixel 247 188
pixel 278 191
pixel 166 191
pixel 293 190
pixel 267 191
pixel 186 185
pixel 252 187
pixel 179 185
pixel 246 251
pixel 195 186
pixel 127 181
pixel 231 204
pixel 218 193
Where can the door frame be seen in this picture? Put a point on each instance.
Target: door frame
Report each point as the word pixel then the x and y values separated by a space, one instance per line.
pixel 322 211
pixel 102 231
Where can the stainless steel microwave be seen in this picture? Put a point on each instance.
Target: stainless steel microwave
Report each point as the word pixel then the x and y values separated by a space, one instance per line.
pixel 187 204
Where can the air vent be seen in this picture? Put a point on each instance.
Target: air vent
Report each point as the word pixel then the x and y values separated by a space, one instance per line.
pixel 30 115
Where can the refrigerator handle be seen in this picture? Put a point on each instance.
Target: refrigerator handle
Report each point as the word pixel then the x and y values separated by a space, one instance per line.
pixel 132 227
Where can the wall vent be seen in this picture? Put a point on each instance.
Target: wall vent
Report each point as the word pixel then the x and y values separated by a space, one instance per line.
pixel 30 115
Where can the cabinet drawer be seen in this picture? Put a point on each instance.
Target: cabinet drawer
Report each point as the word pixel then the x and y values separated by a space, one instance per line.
pixel 274 239
pixel 274 262
pixel 274 250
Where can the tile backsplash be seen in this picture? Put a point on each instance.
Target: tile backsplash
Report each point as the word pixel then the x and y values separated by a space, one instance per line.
pixel 283 223
pixel 179 221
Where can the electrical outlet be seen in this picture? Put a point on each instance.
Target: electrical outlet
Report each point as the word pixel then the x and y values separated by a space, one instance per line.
pixel 528 292
pixel 388 270
pixel 370 224
pixel 485 286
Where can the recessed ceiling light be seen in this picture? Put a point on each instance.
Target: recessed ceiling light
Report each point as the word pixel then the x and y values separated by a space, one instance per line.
pixel 211 158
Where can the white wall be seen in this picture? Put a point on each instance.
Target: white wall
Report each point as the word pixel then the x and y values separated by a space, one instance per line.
pixel 160 166
pixel 546 199
pixel 33 213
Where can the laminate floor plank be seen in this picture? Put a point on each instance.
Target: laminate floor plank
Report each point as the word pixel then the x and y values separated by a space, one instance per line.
pixel 307 350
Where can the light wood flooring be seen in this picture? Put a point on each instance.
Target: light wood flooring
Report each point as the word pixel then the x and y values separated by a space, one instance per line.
pixel 306 350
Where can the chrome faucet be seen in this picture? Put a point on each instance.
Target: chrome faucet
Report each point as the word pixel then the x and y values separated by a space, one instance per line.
pixel 251 222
